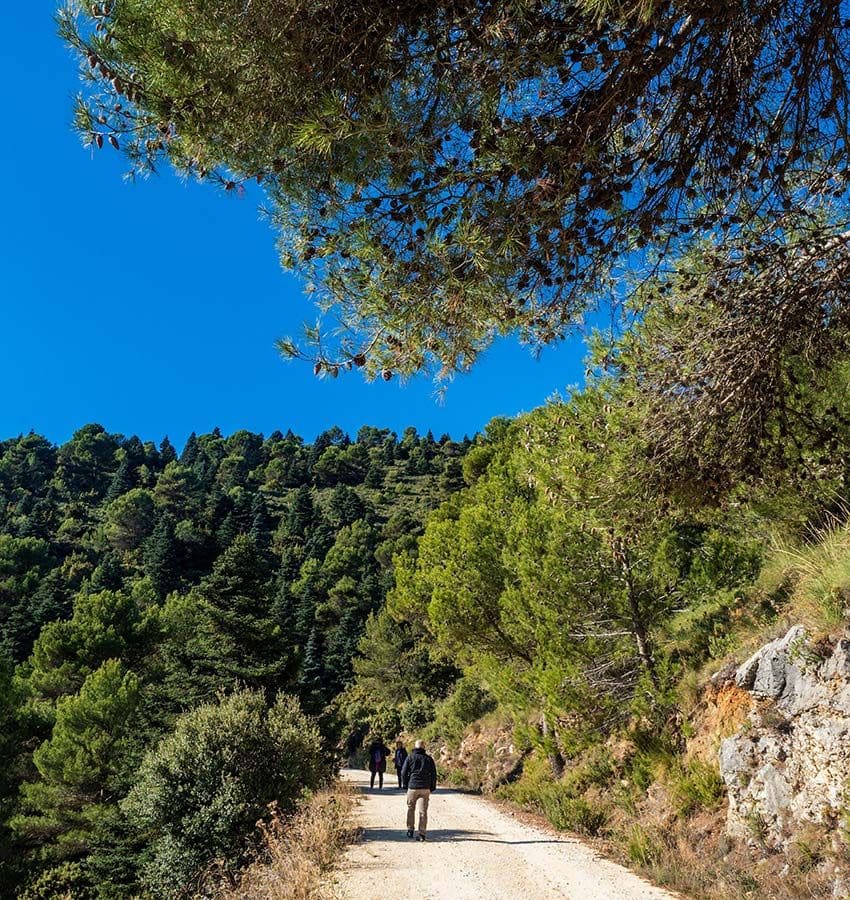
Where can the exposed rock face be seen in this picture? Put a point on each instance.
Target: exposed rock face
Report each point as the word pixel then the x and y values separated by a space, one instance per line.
pixel 485 758
pixel 790 762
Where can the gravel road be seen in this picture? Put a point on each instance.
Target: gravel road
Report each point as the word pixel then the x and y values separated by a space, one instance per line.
pixel 474 852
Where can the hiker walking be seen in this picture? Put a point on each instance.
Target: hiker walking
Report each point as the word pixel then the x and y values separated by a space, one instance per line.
pixel 399 757
pixel 378 753
pixel 419 778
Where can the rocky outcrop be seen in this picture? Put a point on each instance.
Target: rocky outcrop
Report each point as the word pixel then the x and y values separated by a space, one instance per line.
pixel 789 765
pixel 486 757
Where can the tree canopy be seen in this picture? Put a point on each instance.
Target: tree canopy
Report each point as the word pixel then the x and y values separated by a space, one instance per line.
pixel 444 172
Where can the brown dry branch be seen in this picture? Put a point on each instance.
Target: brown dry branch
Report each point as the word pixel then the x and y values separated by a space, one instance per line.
pixel 719 366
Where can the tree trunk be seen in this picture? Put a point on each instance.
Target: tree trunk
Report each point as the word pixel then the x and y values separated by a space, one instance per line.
pixel 638 625
pixel 553 754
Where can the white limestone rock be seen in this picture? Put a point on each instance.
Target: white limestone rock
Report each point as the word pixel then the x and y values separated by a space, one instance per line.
pixel 790 763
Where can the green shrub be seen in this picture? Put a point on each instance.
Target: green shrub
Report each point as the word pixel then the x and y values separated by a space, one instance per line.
pixel 561 801
pixel 202 789
pixel 416 714
pixel 642 847
pixel 695 785
pixel 594 768
pixel 467 703
pixel 653 757
pixel 68 880
pixel 570 813
pixel 527 790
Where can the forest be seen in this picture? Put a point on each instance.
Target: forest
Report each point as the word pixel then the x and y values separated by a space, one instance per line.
pixel 173 622
pixel 171 619
pixel 584 582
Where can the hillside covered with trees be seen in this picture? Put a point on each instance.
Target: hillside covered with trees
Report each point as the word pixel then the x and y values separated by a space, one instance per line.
pixel 153 606
pixel 588 578
pixel 599 580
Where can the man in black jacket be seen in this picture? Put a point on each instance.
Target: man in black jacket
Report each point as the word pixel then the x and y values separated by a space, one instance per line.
pixel 419 778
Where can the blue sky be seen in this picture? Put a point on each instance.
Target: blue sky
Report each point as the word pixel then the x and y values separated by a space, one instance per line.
pixel 153 307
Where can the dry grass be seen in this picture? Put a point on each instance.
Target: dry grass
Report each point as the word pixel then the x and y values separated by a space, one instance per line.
pixel 695 858
pixel 299 853
pixel 819 573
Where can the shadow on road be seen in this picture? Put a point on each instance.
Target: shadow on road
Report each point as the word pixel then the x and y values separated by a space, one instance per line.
pixel 392 790
pixel 437 835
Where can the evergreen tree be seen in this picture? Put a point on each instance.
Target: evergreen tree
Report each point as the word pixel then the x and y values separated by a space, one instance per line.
pixel 130 519
pixel 345 506
pixel 84 768
pixel 227 532
pixel 216 508
pixel 301 514
pixel 451 478
pixel 167 453
pixel 179 492
pixel 312 687
pixel 134 451
pixel 246 644
pixel 162 558
pixel 23 563
pixel 108 575
pixel 53 599
pixel 374 473
pixel 96 539
pixel 320 538
pixel 87 463
pixel 104 625
pixel 123 481
pixel 549 89
pixel 190 452
pixel 11 751
pixel 40 521
pixel 261 523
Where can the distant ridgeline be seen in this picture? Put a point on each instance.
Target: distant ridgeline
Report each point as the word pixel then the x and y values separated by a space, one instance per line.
pixel 243 560
pixel 319 524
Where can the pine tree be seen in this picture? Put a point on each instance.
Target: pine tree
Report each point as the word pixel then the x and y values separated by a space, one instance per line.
pixel 11 749
pixel 161 557
pixel 227 532
pixel 139 578
pixel 87 463
pixel 104 625
pixel 311 680
pixel 134 451
pixel 167 453
pixel 247 645
pixel 301 515
pixel 129 519
pixel 375 473
pixel 261 522
pixel 85 767
pixel 216 508
pixel 123 481
pixel 345 506
pixel 108 575
pixel 451 478
pixel 189 455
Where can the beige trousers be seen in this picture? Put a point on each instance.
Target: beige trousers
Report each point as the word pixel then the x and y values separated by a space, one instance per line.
pixel 422 795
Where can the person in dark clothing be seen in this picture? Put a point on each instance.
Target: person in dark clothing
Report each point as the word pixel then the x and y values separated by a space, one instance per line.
pixel 399 757
pixel 419 779
pixel 378 753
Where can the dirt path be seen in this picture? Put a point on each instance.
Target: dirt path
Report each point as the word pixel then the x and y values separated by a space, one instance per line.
pixel 473 851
